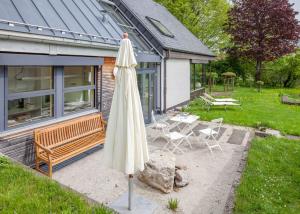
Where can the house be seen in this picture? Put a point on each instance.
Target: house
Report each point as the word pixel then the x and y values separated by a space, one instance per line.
pixel 57 58
pixel 182 53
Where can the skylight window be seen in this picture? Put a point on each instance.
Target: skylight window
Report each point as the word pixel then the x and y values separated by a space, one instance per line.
pixel 160 27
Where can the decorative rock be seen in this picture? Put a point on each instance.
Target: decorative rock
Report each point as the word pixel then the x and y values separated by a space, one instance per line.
pixel 159 171
pixel 181 178
pixel 181 167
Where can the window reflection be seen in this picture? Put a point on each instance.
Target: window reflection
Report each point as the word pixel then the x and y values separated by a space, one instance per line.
pixel 77 101
pixel 78 76
pixel 26 110
pixel 26 78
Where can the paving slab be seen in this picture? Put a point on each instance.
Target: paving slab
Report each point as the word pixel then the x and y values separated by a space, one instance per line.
pixel 237 137
pixel 140 205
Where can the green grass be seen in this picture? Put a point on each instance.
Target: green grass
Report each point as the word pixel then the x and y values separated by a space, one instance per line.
pixel 271 180
pixel 23 192
pixel 264 107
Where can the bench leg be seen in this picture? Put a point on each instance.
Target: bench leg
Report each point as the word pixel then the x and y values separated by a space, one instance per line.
pixel 50 167
pixel 50 170
pixel 37 164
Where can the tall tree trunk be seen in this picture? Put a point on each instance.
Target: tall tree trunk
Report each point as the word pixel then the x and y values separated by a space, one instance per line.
pixel 258 71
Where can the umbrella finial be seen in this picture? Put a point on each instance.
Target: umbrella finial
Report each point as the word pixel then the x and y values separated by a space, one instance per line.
pixel 125 35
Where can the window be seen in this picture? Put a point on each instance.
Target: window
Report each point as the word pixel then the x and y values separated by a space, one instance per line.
pixel 30 94
pixel 135 37
pixel 78 76
pixel 32 109
pixel 160 27
pixel 79 100
pixel 79 84
pixel 196 76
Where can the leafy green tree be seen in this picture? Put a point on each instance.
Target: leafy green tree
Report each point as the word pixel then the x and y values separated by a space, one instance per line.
pixel 205 19
pixel 284 72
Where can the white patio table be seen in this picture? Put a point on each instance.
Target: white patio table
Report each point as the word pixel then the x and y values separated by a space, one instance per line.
pixel 184 118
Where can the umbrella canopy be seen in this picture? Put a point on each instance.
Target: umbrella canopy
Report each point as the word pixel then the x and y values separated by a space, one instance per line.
pixel 125 147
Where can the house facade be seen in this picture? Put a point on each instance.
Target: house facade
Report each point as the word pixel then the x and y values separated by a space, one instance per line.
pixel 57 59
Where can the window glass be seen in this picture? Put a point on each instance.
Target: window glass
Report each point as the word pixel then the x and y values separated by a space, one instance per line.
pixel 135 37
pixel 192 77
pixel 26 110
pixel 78 76
pixel 196 76
pixel 142 65
pixel 77 101
pixel 26 78
pixel 159 26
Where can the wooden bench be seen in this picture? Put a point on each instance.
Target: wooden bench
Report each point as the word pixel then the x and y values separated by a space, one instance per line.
pixel 62 141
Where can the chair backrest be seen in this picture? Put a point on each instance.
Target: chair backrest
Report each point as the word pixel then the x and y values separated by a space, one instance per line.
pixel 209 97
pixel 217 124
pixel 59 134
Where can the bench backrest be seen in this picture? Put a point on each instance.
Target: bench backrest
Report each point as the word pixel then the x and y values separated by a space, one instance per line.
pixel 68 131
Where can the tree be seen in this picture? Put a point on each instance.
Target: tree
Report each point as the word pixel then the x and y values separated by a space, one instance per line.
pixel 205 19
pixel 263 30
pixel 285 71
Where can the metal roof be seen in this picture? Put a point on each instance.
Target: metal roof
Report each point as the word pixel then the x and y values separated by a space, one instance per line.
pixel 85 20
pixel 76 19
pixel 183 40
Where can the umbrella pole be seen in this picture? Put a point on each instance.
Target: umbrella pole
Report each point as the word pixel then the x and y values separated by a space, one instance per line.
pixel 130 187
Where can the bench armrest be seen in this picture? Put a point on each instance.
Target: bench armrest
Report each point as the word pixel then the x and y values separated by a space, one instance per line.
pixel 44 148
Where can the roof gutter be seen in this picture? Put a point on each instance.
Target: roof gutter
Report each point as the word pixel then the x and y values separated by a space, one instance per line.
pixel 11 35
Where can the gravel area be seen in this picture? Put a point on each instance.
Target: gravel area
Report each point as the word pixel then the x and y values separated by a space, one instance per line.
pixel 212 176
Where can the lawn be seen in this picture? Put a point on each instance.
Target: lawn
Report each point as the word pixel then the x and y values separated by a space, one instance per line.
pixel 271 180
pixel 22 191
pixel 264 108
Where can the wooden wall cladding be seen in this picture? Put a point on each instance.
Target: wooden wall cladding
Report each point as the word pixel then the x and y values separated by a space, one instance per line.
pixel 108 85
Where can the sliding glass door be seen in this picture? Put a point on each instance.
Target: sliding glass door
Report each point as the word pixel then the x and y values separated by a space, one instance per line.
pixel 146 84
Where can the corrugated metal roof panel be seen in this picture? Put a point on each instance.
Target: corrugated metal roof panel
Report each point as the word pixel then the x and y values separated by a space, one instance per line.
pixel 79 19
pixel 9 12
pixel 50 15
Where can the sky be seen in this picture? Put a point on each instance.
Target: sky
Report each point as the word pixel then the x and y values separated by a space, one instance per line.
pixel 297 7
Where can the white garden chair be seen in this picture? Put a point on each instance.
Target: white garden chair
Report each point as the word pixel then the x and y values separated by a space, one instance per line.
pixel 211 133
pixel 176 139
pixel 159 126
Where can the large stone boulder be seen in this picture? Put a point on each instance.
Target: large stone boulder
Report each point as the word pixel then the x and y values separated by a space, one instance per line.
pixel 181 178
pixel 159 171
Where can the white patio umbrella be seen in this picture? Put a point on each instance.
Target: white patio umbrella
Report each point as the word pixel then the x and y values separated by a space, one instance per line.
pixel 126 146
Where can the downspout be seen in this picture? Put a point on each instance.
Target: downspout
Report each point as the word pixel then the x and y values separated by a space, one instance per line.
pixel 165 80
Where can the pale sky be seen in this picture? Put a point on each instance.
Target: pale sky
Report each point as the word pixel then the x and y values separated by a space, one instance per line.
pixel 296 6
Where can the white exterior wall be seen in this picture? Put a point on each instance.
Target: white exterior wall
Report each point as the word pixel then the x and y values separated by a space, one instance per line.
pixel 178 81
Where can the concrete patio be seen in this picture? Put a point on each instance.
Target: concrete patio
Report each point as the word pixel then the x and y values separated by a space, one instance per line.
pixel 211 176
